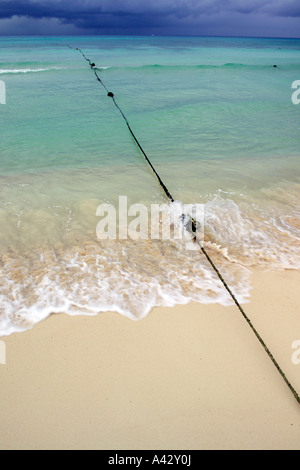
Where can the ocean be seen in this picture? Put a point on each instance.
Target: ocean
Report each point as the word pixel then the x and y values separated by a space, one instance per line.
pixel 219 122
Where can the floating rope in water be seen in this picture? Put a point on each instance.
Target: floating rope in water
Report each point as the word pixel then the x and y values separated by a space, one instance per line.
pixel 192 229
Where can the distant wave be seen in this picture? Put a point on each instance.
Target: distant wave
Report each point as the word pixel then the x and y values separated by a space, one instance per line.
pixel 20 71
pixel 229 65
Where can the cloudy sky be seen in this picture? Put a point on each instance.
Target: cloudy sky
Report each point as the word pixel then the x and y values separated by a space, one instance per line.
pixel 264 18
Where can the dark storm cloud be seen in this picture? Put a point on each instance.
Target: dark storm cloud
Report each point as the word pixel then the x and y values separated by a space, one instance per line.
pixel 93 13
pixel 42 9
pixel 159 16
pixel 288 9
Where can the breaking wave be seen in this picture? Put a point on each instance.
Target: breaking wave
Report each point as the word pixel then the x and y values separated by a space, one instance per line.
pixel 27 70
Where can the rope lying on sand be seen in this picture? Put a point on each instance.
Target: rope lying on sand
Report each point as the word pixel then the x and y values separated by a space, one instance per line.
pixel 192 229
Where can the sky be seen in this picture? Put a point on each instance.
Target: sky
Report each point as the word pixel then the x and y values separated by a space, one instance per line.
pixel 256 18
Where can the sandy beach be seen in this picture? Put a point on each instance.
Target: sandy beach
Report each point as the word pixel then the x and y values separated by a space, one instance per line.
pixel 188 377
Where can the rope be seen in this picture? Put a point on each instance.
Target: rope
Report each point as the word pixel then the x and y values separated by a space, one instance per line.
pixel 111 95
pixel 192 229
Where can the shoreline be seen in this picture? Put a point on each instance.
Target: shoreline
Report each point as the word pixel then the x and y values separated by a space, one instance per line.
pixel 188 377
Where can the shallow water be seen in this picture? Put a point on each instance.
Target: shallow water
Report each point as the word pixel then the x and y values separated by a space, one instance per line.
pixel 217 121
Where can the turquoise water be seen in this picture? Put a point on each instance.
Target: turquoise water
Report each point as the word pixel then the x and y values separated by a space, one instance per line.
pixel 220 97
pixel 216 119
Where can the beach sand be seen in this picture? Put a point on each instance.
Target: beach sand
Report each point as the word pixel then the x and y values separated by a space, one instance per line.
pixel 188 377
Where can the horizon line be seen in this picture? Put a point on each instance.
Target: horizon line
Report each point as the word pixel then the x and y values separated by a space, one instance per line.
pixel 148 35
